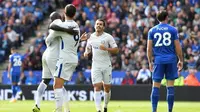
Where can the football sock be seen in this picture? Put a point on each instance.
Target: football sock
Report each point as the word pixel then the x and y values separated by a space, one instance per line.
pixel 97 99
pixel 58 99
pixel 106 98
pixel 66 100
pixel 40 90
pixel 18 88
pixel 14 91
pixel 170 98
pixel 154 98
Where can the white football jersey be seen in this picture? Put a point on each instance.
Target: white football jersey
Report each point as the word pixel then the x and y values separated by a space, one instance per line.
pixel 68 43
pixel 53 44
pixel 101 58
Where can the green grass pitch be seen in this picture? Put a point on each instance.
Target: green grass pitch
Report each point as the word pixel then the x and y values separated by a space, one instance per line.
pixel 88 106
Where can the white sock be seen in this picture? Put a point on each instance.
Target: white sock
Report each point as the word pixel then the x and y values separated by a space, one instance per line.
pixel 40 91
pixel 97 99
pixel 106 98
pixel 58 99
pixel 66 100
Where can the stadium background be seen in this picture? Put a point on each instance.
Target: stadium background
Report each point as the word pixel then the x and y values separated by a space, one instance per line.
pixel 23 24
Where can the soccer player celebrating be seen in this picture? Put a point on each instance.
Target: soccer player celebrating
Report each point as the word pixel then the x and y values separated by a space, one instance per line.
pixel 15 71
pixel 68 58
pixel 49 60
pixel 164 45
pixel 102 45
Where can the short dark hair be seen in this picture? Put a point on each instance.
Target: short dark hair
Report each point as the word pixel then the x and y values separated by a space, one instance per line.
pixel 70 10
pixel 55 15
pixel 13 48
pixel 104 22
pixel 162 15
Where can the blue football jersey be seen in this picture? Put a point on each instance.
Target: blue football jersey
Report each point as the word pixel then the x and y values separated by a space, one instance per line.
pixel 16 63
pixel 163 36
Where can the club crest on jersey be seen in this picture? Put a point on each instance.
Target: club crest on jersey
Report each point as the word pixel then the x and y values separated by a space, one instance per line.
pixel 103 42
pixel 95 47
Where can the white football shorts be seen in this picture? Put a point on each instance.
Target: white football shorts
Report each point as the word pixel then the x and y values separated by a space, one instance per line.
pixel 101 75
pixel 64 70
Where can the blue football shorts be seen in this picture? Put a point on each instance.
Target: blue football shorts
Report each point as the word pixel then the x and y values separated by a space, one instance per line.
pixel 169 70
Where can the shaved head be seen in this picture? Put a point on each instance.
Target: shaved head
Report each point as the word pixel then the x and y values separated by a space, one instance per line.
pixel 55 15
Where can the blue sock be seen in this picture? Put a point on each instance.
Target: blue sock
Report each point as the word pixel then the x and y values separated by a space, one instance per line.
pixel 154 98
pixel 14 91
pixel 18 88
pixel 170 98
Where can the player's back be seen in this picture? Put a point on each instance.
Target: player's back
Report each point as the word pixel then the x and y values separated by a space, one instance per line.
pixel 69 43
pixel 163 36
pixel 16 62
pixel 53 47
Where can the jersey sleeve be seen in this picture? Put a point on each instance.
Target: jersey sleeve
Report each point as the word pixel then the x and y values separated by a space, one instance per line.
pixel 112 42
pixel 149 35
pixel 176 34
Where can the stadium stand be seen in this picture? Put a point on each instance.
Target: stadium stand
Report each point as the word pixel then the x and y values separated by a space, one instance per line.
pixel 128 21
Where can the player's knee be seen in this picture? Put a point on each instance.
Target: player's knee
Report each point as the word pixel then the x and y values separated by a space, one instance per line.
pixel 156 84
pixel 97 87
pixel 107 88
pixel 58 83
pixel 46 81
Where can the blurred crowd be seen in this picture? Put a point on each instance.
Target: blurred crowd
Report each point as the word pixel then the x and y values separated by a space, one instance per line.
pixel 18 21
pixel 128 21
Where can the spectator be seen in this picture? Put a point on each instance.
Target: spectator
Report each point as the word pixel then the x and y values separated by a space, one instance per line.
pixel 31 78
pixel 126 65
pixel 151 8
pixel 128 78
pixel 13 37
pixel 144 75
pixel 81 78
pixel 191 79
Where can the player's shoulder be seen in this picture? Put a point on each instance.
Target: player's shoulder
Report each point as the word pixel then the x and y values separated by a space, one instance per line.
pixel 152 29
pixel 108 35
pixel 57 21
pixel 10 56
pixel 173 28
pixel 92 35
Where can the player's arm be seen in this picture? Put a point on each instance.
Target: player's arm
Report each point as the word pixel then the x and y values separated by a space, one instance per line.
pixel 178 50
pixel 179 54
pixel 22 71
pixel 110 50
pixel 149 50
pixel 85 36
pixel 87 49
pixel 58 28
pixel 9 66
pixel 113 46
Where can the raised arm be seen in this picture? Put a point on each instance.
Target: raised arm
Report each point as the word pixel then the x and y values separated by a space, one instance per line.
pixel 68 30
pixel 88 49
